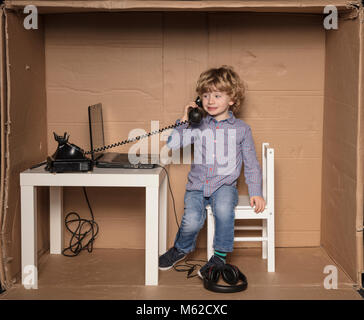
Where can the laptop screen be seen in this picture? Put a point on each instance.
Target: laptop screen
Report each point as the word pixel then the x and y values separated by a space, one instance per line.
pixel 96 125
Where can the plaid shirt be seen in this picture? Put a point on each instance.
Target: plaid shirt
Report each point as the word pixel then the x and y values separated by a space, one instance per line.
pixel 220 148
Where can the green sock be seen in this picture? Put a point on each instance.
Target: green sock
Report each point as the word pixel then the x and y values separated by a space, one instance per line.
pixel 221 255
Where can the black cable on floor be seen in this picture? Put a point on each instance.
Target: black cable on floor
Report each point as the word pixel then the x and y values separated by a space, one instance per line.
pixel 79 234
pixel 189 267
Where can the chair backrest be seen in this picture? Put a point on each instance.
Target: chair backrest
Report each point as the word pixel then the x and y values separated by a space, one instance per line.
pixel 268 174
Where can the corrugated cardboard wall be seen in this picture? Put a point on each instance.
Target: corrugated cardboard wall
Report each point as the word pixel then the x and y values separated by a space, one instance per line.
pixel 144 66
pixel 25 138
pixel 2 124
pixel 360 144
pixel 64 6
pixel 340 145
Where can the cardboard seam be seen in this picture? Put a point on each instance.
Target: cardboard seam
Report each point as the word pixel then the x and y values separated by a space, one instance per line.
pixel 355 7
pixel 2 182
pixel 7 283
pixel 127 5
pixel 356 4
pixel 361 14
pixel 360 169
pixel 338 264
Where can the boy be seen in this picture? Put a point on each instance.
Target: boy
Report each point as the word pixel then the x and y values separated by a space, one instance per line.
pixel 209 181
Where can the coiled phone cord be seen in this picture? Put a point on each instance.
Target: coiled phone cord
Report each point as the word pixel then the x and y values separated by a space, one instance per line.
pixel 117 144
pixel 113 145
pixel 194 116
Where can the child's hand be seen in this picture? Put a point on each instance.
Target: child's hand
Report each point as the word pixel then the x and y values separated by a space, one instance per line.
pixel 259 203
pixel 185 114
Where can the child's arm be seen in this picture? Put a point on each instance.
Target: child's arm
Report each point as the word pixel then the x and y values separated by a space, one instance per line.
pixel 178 138
pixel 252 171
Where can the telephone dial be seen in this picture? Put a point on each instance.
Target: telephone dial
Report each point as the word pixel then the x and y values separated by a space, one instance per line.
pixel 71 158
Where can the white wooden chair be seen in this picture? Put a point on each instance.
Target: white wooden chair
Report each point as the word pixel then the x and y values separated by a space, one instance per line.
pixel 244 211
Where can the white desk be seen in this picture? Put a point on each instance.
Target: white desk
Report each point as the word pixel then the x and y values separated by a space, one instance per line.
pixel 154 180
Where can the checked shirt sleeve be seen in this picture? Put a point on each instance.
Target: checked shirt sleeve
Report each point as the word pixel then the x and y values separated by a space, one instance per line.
pixel 252 170
pixel 180 136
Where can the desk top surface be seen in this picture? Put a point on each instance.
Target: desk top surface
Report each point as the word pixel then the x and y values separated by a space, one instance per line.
pixel 108 171
pixel 97 177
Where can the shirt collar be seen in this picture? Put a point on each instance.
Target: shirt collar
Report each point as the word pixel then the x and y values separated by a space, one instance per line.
pixel 231 118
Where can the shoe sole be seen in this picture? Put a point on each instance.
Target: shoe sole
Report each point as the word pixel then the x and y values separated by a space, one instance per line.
pixel 167 268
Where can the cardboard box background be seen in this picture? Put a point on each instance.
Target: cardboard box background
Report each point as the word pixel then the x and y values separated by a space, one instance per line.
pixel 302 82
pixel 342 176
pixel 147 71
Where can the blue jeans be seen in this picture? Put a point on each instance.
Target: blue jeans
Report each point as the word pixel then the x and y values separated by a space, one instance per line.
pixel 223 202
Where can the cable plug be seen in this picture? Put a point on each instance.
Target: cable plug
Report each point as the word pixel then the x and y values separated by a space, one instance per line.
pixel 190 271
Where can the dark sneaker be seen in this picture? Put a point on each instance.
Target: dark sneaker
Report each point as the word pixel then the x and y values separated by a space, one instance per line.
pixel 214 261
pixel 170 258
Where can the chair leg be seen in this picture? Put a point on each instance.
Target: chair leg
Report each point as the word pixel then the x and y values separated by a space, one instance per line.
pixel 271 247
pixel 264 243
pixel 210 233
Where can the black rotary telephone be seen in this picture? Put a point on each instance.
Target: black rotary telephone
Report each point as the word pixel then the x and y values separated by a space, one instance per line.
pixel 195 115
pixel 71 158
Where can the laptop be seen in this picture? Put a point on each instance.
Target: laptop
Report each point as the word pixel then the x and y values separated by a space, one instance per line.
pixel 112 159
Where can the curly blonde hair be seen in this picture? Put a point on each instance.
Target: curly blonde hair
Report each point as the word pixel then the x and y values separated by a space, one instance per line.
pixel 224 79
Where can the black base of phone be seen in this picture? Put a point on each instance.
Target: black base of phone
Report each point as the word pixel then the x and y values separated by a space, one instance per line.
pixel 68 157
pixel 60 166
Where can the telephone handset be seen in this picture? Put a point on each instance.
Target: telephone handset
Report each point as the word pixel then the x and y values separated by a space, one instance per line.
pixel 195 115
pixel 71 158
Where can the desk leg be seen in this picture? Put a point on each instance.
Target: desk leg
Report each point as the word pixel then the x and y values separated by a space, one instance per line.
pixel 56 219
pixel 151 235
pixel 163 216
pixel 28 196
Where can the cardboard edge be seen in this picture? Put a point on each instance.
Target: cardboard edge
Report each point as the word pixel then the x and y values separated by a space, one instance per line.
pixel 293 6
pixel 360 155
pixel 16 160
pixel 356 253
pixel 5 137
pixel 2 137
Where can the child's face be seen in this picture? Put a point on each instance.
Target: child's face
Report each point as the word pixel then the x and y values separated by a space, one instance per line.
pixel 217 104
